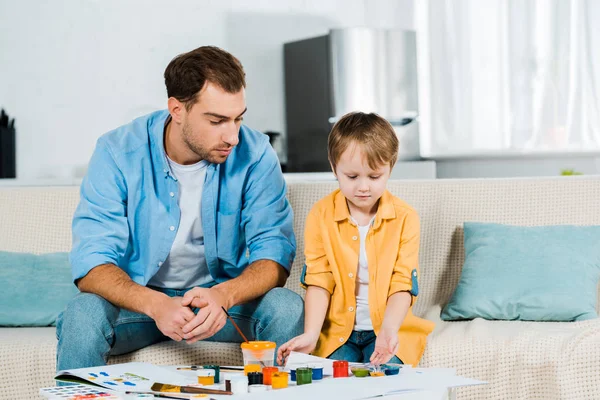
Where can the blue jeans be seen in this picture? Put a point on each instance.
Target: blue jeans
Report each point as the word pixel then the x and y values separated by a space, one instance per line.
pixel 91 329
pixel 358 348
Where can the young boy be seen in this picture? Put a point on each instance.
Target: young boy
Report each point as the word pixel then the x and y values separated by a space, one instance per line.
pixel 362 248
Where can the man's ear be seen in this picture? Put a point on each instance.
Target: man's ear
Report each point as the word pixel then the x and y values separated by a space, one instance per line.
pixel 176 109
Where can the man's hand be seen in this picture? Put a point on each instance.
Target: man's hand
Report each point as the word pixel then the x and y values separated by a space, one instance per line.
pixel 170 317
pixel 304 343
pixel 386 345
pixel 210 318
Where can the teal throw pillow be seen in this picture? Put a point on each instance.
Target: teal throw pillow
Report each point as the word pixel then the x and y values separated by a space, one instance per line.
pixel 540 273
pixel 35 288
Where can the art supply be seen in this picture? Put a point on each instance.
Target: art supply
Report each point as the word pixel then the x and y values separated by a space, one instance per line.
pixel 340 369
pixel 164 387
pixel 164 396
pixel 255 378
pixel 206 377
pixel 279 380
pixel 222 369
pixel 391 369
pixel 259 352
pixel 377 373
pixel 360 372
pixel 257 388
pixel 77 391
pixel 303 376
pixel 239 384
pixel 251 368
pixel 267 372
pixel 235 325
pixel 317 371
pixel 144 396
pixel 217 370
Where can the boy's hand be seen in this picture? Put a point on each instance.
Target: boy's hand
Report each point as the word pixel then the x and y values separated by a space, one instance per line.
pixel 304 343
pixel 386 345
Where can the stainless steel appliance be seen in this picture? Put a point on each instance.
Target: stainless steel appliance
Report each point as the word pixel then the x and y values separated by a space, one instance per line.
pixel 351 69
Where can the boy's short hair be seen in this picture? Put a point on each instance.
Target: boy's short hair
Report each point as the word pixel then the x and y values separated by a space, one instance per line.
pixel 375 134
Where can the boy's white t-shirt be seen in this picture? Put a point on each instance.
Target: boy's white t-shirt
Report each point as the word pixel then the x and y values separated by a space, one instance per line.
pixel 362 321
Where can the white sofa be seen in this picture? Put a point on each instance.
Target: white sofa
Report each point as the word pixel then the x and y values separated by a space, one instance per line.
pixel 521 360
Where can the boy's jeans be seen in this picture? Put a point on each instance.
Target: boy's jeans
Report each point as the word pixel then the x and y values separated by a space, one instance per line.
pixel 358 348
pixel 91 329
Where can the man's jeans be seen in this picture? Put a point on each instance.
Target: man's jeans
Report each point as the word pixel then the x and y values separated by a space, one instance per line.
pixel 91 329
pixel 358 348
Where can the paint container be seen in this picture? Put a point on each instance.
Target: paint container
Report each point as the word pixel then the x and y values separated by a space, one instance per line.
pixel 257 388
pixel 317 371
pixel 217 370
pixel 226 377
pixel 259 352
pixel 239 384
pixel 251 368
pixel 293 368
pixel 360 372
pixel 267 372
pixel 206 377
pixel 255 378
pixel 340 369
pixel 303 376
pixel 279 380
pixel 391 369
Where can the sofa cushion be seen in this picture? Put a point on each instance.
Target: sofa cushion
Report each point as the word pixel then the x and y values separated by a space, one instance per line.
pixel 535 273
pixel 35 288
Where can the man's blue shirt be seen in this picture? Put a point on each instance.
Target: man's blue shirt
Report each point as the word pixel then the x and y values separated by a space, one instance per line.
pixel 128 213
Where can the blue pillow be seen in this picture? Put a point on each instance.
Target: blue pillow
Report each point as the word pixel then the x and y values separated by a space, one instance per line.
pixel 540 273
pixel 34 288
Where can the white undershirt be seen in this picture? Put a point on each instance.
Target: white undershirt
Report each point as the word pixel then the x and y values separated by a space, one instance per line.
pixel 185 266
pixel 363 316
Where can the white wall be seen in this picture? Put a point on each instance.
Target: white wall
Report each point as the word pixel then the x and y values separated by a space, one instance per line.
pixel 71 70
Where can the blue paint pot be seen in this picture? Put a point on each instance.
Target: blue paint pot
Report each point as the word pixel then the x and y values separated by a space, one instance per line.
pixel 317 371
pixel 390 369
pixel 293 374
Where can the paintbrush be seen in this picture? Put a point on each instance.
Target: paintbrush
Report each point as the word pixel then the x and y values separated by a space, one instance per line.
pixel 164 387
pixel 262 364
pixel 164 396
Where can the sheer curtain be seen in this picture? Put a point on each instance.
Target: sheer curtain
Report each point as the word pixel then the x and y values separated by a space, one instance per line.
pixel 508 76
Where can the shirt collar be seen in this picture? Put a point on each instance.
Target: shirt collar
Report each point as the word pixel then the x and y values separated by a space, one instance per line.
pixel 386 209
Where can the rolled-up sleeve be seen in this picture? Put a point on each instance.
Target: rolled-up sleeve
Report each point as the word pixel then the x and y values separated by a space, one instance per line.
pixel 406 269
pixel 266 215
pixel 100 228
pixel 317 271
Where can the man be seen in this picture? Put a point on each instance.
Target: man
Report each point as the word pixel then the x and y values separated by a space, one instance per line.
pixel 178 199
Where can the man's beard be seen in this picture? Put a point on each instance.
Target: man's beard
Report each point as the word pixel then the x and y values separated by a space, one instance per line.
pixel 196 148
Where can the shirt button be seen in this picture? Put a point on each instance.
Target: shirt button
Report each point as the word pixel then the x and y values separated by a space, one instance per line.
pixel 172 194
pixel 350 309
pixel 354 237
pixel 172 228
pixel 351 275
pixel 341 340
pixel 160 263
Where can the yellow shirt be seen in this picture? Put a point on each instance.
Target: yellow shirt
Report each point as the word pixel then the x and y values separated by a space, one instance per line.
pixel 332 243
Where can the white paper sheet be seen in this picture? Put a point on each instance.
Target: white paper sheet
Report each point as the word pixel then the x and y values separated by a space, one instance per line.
pixel 130 377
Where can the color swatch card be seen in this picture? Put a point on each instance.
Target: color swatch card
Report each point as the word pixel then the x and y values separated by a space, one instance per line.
pixel 78 392
pixel 128 377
